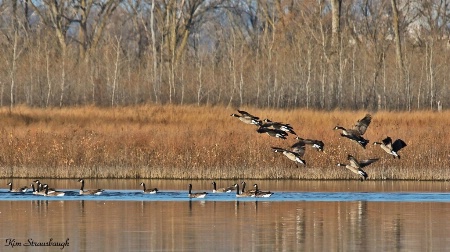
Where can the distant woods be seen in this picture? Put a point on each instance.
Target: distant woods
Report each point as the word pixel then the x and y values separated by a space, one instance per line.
pixel 321 54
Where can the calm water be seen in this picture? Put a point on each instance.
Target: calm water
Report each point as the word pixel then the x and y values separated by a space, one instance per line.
pixel 300 216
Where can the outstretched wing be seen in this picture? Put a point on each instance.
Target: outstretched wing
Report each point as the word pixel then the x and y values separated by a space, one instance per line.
pixel 398 144
pixel 262 130
pixel 387 141
pixel 266 123
pixel 277 149
pixel 314 143
pixel 299 148
pixel 364 163
pixel 353 161
pixel 361 125
pixel 246 114
pixel 284 127
pixel 274 132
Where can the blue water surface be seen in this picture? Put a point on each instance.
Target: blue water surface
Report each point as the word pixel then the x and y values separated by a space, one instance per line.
pixel 136 195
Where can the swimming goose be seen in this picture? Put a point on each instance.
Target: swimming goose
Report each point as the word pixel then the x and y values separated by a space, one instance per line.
pixel 89 192
pixel 316 144
pixel 242 194
pixel 243 188
pixel 196 195
pixel 356 166
pixel 294 156
pixel 36 192
pixel 391 148
pixel 261 194
pixel 55 193
pixel 40 187
pixel 357 131
pixel 149 191
pixel 22 189
pixel 222 190
pixel 272 132
pixel 247 118
pixel 279 126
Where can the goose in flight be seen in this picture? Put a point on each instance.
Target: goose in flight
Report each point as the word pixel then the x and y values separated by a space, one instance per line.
pixel 357 131
pixel 391 147
pixel 356 166
pixel 247 118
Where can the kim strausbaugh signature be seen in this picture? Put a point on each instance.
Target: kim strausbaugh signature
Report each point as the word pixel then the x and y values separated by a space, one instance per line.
pixel 13 243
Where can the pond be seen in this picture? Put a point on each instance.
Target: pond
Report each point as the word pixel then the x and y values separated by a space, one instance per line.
pixel 299 216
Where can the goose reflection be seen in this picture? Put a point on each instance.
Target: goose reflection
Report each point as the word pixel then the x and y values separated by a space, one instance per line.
pixel 199 203
pixel 358 214
pixel 398 232
pixel 300 225
pixel 41 206
pixel 239 204
pixel 82 209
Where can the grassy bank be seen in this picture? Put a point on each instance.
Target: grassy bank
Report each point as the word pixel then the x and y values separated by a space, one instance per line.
pixel 206 142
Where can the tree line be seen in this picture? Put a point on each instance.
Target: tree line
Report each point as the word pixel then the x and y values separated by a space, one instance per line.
pixel 357 54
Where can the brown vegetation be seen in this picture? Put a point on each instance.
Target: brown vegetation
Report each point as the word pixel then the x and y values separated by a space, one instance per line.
pixel 193 142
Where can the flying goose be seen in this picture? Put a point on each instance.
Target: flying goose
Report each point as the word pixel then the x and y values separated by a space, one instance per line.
pixel 22 189
pixel 279 126
pixel 55 193
pixel 294 156
pixel 222 190
pixel 246 114
pixel 36 192
pixel 272 132
pixel 357 131
pixel 261 194
pixel 356 167
pixel 242 194
pixel 316 144
pixel 149 191
pixel 196 195
pixel 391 147
pixel 247 118
pixel 89 192
pixel 296 152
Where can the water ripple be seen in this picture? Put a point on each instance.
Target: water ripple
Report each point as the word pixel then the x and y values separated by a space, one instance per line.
pixel 135 195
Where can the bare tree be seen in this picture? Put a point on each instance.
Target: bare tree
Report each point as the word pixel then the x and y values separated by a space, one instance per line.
pixel 180 20
pixel 336 6
pixel 13 67
pixel 115 80
pixel 434 33
pixel 53 15
pixel 101 12
pixel 356 54
pixel 156 86
pixel 371 26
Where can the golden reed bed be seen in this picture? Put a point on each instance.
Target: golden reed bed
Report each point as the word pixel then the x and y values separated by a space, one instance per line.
pixel 189 142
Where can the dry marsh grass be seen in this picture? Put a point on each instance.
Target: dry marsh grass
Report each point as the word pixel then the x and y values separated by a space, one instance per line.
pixel 190 142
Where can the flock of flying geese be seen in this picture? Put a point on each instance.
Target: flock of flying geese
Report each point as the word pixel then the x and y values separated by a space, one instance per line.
pixel 294 153
pixel 297 150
